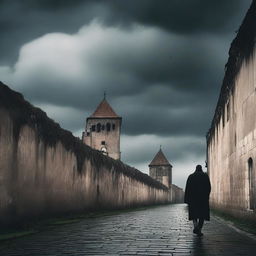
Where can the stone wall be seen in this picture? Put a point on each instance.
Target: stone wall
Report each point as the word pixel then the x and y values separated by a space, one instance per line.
pixel 45 170
pixel 177 194
pixel 232 145
pixel 232 137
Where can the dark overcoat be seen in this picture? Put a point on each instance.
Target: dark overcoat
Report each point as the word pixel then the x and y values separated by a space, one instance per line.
pixel 197 194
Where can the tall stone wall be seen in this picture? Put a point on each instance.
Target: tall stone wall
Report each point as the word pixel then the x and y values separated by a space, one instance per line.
pixel 232 137
pixel 45 170
pixel 233 143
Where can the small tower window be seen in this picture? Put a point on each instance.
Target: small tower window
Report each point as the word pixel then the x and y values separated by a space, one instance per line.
pixel 103 127
pixel 113 126
pixel 108 127
pixel 93 128
pixel 103 142
pixel 98 127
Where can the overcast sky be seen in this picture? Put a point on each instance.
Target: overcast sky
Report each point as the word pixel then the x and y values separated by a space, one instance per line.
pixel 160 62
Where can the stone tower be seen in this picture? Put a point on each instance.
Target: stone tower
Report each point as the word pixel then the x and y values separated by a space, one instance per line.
pixel 160 169
pixel 102 130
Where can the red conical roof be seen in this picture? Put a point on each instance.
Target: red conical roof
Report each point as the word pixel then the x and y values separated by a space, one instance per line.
pixel 104 110
pixel 159 159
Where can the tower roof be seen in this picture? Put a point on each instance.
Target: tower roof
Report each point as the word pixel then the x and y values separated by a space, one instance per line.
pixel 104 110
pixel 159 159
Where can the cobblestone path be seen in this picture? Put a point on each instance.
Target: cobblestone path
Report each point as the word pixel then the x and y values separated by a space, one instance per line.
pixel 162 230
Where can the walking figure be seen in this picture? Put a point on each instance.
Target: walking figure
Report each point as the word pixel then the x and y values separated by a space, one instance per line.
pixel 197 194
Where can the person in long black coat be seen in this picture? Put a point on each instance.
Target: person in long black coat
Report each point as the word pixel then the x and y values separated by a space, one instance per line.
pixel 197 192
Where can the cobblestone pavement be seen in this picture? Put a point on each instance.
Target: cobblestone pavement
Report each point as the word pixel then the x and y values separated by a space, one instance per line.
pixel 162 230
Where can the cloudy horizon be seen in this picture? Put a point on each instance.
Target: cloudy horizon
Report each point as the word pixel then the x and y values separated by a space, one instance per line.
pixel 161 65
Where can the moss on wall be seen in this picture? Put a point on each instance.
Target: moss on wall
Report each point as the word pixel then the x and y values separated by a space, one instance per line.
pixel 241 49
pixel 50 132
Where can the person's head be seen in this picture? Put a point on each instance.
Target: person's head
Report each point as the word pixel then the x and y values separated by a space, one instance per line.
pixel 199 167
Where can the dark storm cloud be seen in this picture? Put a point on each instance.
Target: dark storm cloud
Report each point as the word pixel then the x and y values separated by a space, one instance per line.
pixel 175 148
pixel 183 16
pixel 139 59
pixel 25 20
pixel 160 83
pixel 180 121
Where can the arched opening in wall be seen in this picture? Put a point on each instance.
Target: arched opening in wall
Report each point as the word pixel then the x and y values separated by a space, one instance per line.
pixel 108 127
pixel 113 126
pixel 104 150
pixel 98 127
pixel 252 192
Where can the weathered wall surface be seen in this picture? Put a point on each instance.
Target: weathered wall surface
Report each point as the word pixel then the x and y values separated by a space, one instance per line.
pixel 44 170
pixel 177 194
pixel 232 137
pixel 233 144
